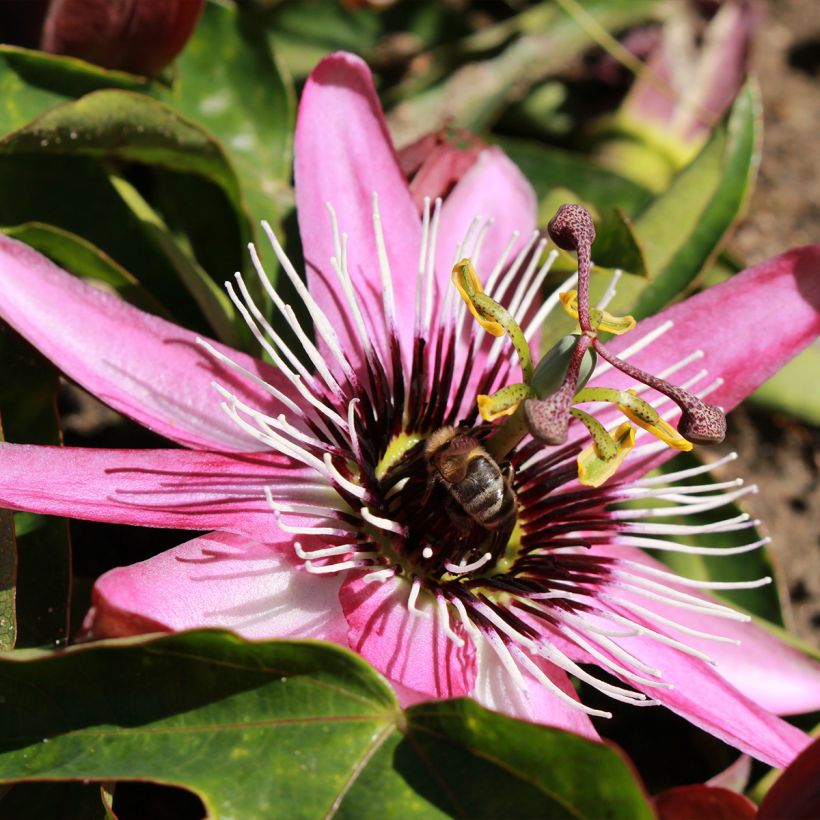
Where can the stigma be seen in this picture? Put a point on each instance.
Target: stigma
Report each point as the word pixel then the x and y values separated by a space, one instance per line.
pixel 545 401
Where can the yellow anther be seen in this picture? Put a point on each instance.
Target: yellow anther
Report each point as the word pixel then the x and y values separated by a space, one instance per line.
pixel 488 410
pixel 593 470
pixel 660 429
pixel 503 402
pixel 469 286
pixel 601 320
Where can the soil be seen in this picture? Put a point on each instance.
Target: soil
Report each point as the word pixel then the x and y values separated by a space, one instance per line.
pixel 779 454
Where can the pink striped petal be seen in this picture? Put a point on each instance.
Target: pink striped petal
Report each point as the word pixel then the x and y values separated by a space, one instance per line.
pixel 150 488
pixel 407 648
pixel 748 327
pixel 141 365
pixel 495 689
pixel 770 672
pixel 217 580
pixel 343 154
pixel 709 701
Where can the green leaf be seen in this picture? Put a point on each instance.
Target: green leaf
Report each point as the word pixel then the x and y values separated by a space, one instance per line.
pixel 122 125
pixel 32 81
pixel 683 229
pixel 617 245
pixel 547 167
pixel 86 260
pixel 763 602
pixel 27 405
pixel 230 83
pixel 295 729
pixel 786 390
pixel 304 33
pixel 74 194
pixel 474 95
pixel 209 297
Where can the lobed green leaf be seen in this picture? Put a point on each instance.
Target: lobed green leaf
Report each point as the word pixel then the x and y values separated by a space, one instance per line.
pixel 293 729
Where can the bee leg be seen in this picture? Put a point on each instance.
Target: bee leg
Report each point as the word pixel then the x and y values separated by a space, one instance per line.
pixel 508 473
pixel 431 482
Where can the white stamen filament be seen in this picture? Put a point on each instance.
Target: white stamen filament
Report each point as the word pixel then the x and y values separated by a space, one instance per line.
pixel 544 680
pixel 386 524
pixel 325 552
pixel 247 307
pixel 475 253
pixel 673 546
pixel 320 321
pixel 512 272
pixel 606 661
pixel 444 620
pixel 462 569
pixel 328 569
pixel 471 628
pixel 533 329
pixel 380 576
pixel 689 582
pixel 313 510
pixel 687 630
pixel 740 522
pixel 499 646
pixel 609 293
pixel 681 474
pixel 689 509
pixel 552 653
pixel 351 486
pixel 237 368
pixel 422 268
pixel 412 598
pixel 637 347
pixel 489 285
pixel 664 595
pixel 388 300
pixel 535 287
pixel 429 296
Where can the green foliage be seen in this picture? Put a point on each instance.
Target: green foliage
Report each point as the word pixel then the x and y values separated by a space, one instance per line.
pixel 683 229
pixel 34 599
pixel 297 729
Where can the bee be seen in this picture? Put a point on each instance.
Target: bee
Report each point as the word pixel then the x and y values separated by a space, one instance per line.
pixel 476 483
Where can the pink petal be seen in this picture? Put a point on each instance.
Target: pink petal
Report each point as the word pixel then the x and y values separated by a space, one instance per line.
pixel 709 701
pixel 494 188
pixel 770 672
pixel 150 488
pixel 343 154
pixel 404 647
pixel 495 689
pixel 748 327
pixel 217 580
pixel 141 365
